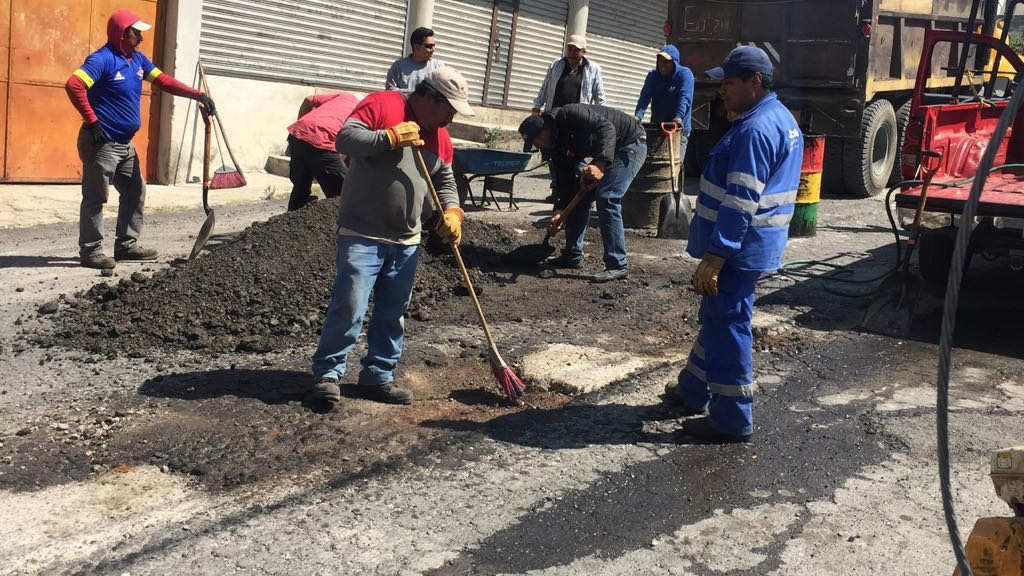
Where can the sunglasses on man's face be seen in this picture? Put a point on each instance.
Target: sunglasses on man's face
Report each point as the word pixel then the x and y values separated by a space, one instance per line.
pixel 428 46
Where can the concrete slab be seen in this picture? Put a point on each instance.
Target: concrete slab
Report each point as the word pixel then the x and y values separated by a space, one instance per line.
pixel 575 369
pixel 25 205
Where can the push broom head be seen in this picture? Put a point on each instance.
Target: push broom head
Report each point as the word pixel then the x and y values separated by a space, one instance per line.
pixel 226 177
pixel 512 385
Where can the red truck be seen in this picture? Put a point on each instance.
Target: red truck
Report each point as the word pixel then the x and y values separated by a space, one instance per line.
pixel 956 124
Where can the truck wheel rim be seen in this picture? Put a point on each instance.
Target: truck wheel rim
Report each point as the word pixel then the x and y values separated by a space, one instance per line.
pixel 880 152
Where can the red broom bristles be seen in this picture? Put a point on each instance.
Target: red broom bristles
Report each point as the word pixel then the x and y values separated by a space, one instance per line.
pixel 512 385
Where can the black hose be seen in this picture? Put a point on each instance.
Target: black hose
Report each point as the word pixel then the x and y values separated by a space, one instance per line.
pixel 949 309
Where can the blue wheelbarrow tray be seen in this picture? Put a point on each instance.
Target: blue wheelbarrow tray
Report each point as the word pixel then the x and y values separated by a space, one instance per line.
pixel 472 163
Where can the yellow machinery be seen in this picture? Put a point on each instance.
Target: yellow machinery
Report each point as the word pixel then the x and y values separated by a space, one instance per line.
pixel 996 545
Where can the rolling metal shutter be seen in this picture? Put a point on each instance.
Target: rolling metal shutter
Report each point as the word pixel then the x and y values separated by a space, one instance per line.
pixel 540 40
pixel 347 44
pixel 463 34
pixel 624 36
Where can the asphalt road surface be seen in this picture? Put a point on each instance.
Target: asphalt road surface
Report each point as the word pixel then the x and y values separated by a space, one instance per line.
pixel 190 462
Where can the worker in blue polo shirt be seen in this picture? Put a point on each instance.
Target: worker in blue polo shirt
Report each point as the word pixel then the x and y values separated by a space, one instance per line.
pixel 739 232
pixel 107 91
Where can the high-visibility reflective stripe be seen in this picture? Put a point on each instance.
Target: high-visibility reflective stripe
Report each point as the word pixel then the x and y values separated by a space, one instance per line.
pixel 779 199
pixel 697 350
pixel 771 221
pixel 737 391
pixel 85 78
pixel 707 213
pixel 153 74
pixel 716 192
pixel 696 372
pixel 745 180
pixel 740 205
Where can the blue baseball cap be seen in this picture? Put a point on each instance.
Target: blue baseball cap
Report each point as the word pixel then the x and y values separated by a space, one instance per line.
pixel 742 60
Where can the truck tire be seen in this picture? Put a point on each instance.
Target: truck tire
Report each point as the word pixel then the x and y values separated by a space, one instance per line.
pixel 902 119
pixel 935 254
pixel 868 159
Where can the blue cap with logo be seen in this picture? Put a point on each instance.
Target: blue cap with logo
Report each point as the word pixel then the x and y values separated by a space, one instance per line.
pixel 742 60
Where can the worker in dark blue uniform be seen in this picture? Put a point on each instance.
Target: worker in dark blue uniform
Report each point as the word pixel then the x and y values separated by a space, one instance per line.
pixel 739 232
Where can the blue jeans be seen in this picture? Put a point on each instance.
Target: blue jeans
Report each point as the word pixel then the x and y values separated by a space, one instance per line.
pixel 719 373
pixel 388 270
pixel 609 193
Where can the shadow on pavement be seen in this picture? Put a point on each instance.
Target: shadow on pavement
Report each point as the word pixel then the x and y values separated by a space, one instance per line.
pixel 38 262
pixel 268 386
pixel 572 426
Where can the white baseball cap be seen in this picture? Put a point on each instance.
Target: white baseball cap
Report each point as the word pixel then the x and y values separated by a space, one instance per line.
pixel 449 83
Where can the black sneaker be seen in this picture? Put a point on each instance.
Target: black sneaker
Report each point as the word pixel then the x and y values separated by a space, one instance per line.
pixel 672 398
pixel 135 253
pixel 607 275
pixel 326 390
pixel 701 431
pixel 388 394
pixel 565 261
pixel 98 261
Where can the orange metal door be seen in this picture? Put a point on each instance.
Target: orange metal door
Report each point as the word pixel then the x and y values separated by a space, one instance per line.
pixel 5 59
pixel 49 39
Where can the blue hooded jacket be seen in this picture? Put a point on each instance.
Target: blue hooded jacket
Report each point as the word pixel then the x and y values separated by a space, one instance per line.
pixel 671 97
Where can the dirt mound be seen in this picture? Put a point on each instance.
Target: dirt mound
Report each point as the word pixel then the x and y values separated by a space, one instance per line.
pixel 266 290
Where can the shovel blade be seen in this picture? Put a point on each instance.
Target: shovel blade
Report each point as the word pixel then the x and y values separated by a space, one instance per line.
pixel 204 235
pixel 674 216
pixel 891 312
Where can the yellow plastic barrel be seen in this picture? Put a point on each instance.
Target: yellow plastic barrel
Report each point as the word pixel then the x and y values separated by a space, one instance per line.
pixel 805 214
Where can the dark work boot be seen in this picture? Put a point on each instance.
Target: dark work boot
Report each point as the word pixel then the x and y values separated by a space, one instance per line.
pixel 608 275
pixel 388 394
pixel 135 253
pixel 97 260
pixel 326 390
pixel 565 261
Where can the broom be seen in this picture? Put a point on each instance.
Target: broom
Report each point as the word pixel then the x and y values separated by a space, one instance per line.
pixel 223 177
pixel 506 377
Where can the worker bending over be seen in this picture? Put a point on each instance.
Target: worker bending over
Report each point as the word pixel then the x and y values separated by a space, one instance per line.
pixel 382 204
pixel 747 190
pixel 616 148
pixel 312 149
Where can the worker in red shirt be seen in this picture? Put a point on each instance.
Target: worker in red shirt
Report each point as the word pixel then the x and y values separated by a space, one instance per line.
pixel 107 91
pixel 311 145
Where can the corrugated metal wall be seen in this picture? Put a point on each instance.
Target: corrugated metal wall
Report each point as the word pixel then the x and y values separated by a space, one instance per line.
pixel 540 40
pixel 347 44
pixel 624 36
pixel 463 35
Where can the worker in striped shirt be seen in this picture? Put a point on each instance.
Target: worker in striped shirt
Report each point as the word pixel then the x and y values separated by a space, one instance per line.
pixel 739 231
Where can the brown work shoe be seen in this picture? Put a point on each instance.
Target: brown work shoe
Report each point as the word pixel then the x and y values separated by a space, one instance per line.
pixel 135 253
pixel 388 394
pixel 97 260
pixel 326 390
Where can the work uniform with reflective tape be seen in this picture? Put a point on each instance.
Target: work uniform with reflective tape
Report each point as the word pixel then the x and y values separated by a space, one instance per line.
pixel 747 190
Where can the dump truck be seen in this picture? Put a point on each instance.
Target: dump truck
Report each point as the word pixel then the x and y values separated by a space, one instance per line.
pixel 845 68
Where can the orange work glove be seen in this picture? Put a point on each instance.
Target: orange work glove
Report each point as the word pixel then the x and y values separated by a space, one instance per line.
pixel 705 279
pixel 449 227
pixel 404 134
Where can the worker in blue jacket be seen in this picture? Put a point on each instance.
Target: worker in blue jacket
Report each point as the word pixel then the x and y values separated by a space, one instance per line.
pixel 668 89
pixel 739 232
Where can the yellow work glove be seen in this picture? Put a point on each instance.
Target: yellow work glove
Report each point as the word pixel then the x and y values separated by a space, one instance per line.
pixel 404 134
pixel 535 112
pixel 705 279
pixel 449 227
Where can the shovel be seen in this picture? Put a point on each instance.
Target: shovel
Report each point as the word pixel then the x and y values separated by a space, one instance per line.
pixel 537 253
pixel 892 310
pixel 207 229
pixel 674 212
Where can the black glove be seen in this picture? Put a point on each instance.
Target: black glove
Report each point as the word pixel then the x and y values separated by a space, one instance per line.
pixel 96 131
pixel 207 103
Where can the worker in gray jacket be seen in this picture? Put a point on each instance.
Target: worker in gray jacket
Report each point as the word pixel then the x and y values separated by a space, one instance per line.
pixel 574 79
pixel 379 226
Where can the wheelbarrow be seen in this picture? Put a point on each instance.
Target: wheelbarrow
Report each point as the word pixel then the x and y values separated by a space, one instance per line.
pixel 498 168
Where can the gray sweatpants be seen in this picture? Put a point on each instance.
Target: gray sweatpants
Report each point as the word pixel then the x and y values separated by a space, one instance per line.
pixel 103 165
